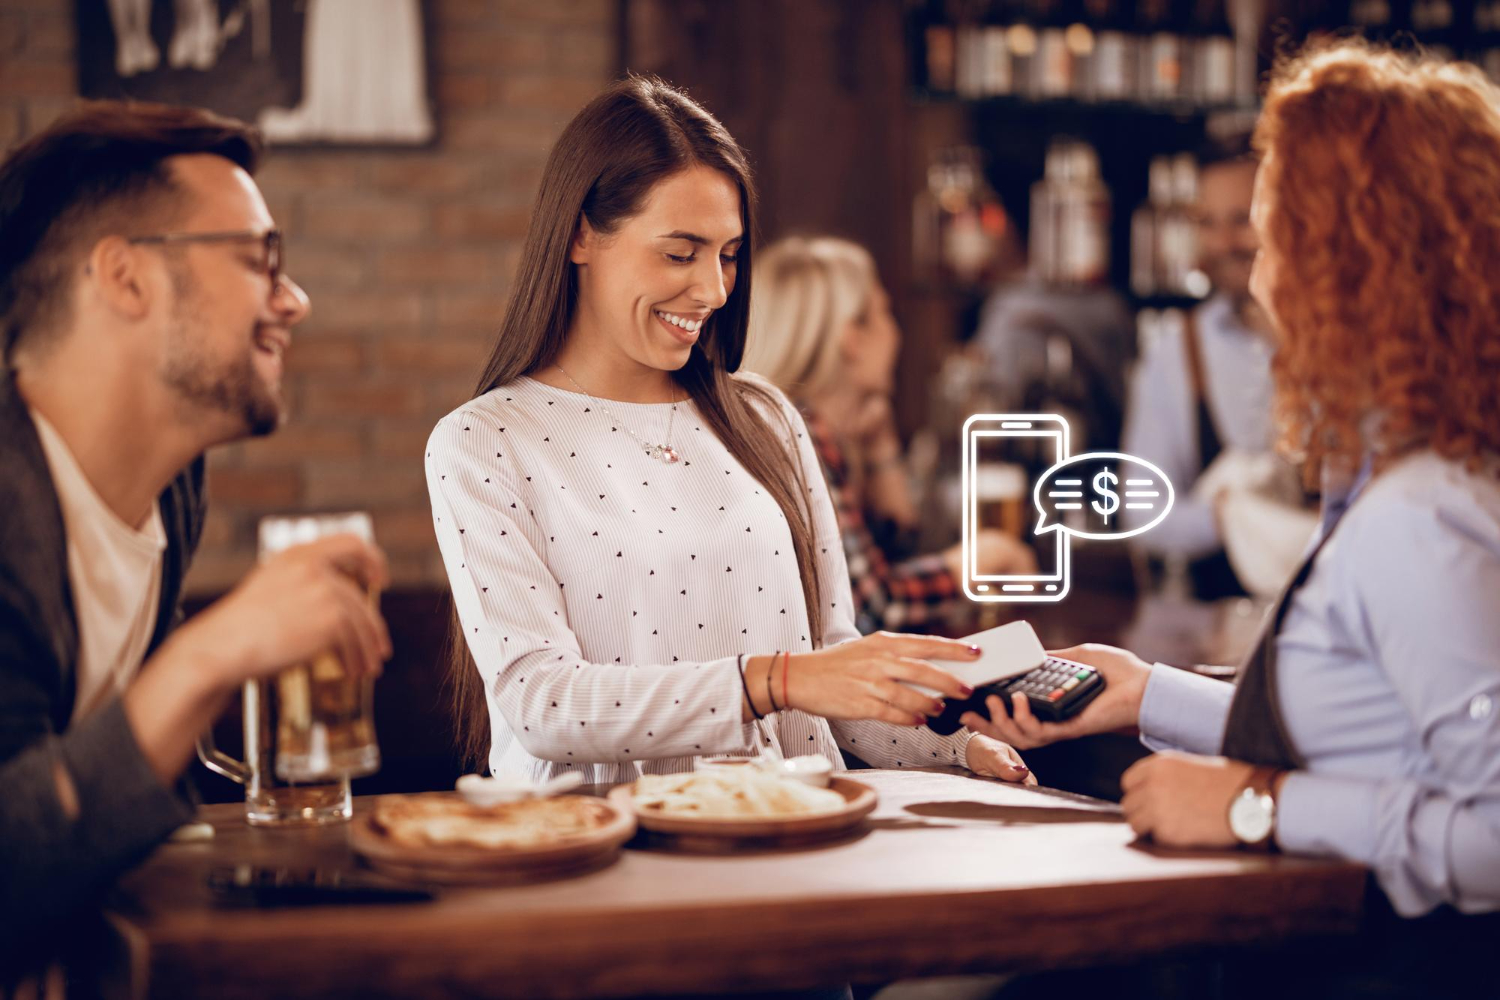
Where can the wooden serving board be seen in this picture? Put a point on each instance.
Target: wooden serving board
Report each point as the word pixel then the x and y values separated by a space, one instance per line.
pixel 718 834
pixel 458 865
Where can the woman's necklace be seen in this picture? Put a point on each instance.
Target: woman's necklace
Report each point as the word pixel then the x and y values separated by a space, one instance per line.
pixel 661 452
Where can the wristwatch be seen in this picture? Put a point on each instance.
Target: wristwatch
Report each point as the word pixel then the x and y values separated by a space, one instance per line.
pixel 1252 812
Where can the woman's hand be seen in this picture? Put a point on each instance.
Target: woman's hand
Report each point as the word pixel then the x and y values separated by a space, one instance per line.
pixel 1117 707
pixel 874 428
pixel 994 759
pixel 995 554
pixel 869 678
pixel 1182 800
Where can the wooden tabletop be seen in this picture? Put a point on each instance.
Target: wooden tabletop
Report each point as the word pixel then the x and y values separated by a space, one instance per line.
pixel 951 874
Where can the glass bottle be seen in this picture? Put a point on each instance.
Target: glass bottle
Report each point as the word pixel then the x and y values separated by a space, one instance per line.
pixel 1177 232
pixel 1052 69
pixel 1022 38
pixel 1070 208
pixel 958 222
pixel 968 71
pixel 1213 63
pixel 1082 43
pixel 1244 20
pixel 1145 261
pixel 1373 17
pixel 940 43
pixel 998 80
pixel 1160 53
pixel 1432 20
pixel 1486 37
pixel 1112 76
pixel 977 223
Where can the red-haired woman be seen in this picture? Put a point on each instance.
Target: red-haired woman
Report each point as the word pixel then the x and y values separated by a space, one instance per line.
pixel 1367 723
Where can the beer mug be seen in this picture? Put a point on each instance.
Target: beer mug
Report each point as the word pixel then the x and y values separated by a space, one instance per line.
pixel 1000 492
pixel 310 728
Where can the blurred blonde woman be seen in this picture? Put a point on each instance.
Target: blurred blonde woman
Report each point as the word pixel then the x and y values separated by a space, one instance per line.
pixel 821 329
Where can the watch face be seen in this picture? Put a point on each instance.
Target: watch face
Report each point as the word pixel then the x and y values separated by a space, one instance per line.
pixel 1251 816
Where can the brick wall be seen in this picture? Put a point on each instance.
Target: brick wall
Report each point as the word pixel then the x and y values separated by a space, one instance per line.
pixel 407 256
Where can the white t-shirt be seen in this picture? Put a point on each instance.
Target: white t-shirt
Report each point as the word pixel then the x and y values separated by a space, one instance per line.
pixel 115 573
pixel 606 595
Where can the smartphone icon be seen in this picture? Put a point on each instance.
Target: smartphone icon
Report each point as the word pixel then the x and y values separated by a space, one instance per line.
pixel 1003 455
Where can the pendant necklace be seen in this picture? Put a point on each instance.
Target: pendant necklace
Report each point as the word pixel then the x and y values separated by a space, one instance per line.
pixel 663 452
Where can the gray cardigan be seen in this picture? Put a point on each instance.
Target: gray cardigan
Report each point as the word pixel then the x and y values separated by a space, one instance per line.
pixel 51 865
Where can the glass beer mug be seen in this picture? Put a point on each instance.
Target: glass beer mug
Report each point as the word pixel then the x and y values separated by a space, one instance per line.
pixel 310 728
pixel 1000 492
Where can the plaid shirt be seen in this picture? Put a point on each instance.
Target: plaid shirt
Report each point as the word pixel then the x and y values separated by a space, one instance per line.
pixel 893 589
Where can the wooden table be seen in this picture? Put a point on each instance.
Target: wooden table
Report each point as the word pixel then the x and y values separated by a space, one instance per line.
pixel 953 874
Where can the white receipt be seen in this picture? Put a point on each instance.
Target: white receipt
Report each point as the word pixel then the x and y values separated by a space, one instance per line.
pixel 1009 649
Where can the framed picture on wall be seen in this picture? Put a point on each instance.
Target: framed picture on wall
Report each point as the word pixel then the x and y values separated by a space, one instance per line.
pixel 305 71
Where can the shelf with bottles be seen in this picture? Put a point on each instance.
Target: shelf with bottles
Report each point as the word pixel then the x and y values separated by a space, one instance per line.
pixel 1064 109
pixel 963 239
pixel 1152 56
pixel 1110 211
pixel 1080 232
pixel 1467 30
pixel 970 296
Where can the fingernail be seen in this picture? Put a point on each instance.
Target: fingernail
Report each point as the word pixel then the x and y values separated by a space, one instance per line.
pixel 1020 768
pixel 918 722
pixel 936 708
pixel 968 691
pixel 975 650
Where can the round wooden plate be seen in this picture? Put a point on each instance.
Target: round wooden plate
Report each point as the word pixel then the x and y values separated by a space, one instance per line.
pixel 707 832
pixel 457 865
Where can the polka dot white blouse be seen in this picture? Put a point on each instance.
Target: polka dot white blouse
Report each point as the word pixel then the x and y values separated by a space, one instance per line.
pixel 606 595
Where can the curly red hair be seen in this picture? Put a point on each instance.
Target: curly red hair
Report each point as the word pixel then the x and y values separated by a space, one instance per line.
pixel 1380 219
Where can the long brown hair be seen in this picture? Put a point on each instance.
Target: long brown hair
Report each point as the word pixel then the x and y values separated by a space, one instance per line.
pixel 625 141
pixel 1382 217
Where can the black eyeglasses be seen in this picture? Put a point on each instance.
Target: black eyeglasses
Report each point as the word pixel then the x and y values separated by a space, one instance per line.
pixel 274 256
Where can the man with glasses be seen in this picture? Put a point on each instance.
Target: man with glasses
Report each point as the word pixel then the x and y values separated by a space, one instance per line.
pixel 144 315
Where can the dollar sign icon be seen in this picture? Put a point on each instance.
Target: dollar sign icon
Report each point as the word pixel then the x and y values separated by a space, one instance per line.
pixel 1111 498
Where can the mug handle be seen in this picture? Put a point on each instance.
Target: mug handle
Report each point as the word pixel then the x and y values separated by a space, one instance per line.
pixel 221 763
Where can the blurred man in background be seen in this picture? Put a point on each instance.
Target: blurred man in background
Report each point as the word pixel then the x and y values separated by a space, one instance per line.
pixel 1200 401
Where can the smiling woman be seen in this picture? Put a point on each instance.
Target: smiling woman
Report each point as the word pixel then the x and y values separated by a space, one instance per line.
pixel 644 558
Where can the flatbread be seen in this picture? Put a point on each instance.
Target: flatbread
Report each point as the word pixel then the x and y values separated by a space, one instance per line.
pixel 451 822
pixel 745 791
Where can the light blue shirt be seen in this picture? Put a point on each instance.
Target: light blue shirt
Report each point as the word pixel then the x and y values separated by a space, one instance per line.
pixel 1388 679
pixel 1161 423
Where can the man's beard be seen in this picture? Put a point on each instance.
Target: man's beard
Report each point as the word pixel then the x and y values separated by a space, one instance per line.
pixel 1229 273
pixel 233 387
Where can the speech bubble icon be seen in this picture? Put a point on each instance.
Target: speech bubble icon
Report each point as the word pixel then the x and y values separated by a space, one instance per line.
pixel 1108 492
